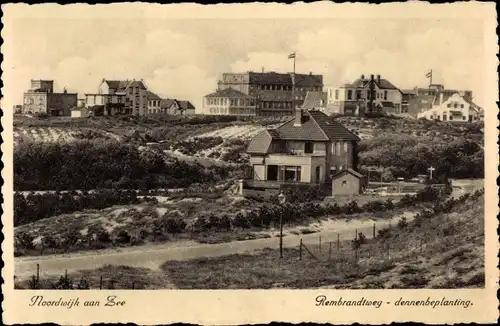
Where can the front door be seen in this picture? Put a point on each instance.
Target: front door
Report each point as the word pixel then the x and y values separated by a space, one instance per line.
pixel 318 174
pixel 272 172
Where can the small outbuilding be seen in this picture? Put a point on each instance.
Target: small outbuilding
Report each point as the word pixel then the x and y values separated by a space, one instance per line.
pixel 347 182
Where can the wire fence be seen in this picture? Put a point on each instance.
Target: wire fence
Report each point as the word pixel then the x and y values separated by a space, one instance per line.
pixel 364 247
pixel 67 282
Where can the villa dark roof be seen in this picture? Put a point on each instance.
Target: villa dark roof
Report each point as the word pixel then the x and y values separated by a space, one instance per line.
pixel 261 142
pixel 317 126
pixel 314 100
pixel 229 92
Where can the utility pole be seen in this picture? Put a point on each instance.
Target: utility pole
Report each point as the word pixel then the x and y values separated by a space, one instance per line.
pixel 282 200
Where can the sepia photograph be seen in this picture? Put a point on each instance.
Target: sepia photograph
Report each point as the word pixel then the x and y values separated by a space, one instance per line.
pixel 259 153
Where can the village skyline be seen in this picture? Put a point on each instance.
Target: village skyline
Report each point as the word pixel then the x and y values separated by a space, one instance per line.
pixel 340 50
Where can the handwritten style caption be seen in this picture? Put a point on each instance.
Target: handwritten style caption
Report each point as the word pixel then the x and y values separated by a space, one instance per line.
pixel 110 301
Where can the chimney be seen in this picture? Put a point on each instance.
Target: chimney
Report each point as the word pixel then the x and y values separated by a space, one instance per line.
pixel 362 76
pixel 378 79
pixel 298 118
pixel 262 69
pixel 372 77
pixel 310 73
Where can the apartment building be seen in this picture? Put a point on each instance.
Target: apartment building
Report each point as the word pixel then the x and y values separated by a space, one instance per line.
pixel 273 91
pixel 41 99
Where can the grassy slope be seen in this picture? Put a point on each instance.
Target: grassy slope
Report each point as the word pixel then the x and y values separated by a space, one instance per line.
pixel 452 255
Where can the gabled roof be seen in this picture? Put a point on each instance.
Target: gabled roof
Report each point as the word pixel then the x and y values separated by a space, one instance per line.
pixel 121 85
pixel 349 170
pixel 186 105
pixel 167 103
pixel 314 99
pixel 153 96
pixel 316 127
pixel 384 83
pixel 230 93
pixel 261 142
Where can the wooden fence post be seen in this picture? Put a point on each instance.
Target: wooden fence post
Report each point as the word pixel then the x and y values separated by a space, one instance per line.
pixel 374 234
pixel 319 243
pixel 355 234
pixel 338 242
pixel 133 285
pixel 300 250
pixel 37 273
pixel 100 283
pixel 330 251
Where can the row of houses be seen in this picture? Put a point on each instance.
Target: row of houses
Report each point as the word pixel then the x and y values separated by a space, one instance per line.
pixel 113 97
pixel 271 93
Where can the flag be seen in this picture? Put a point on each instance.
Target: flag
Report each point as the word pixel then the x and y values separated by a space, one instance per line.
pixel 291 56
pixel 429 74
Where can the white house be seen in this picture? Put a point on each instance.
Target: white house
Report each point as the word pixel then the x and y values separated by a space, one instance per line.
pixel 355 98
pixel 456 108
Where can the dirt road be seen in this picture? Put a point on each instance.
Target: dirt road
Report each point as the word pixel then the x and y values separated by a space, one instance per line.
pixel 154 256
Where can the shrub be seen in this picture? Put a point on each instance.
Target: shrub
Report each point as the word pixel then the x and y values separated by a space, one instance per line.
pixel 240 221
pixel 402 223
pixel 175 225
pixel 123 237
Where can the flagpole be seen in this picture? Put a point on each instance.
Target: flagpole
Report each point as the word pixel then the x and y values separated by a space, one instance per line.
pixel 431 79
pixel 293 83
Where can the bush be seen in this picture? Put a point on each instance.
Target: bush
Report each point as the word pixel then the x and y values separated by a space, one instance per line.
pixel 123 237
pixel 92 164
pixel 175 225
pixel 34 207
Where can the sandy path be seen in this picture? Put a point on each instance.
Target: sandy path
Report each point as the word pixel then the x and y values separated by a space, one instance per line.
pixel 154 256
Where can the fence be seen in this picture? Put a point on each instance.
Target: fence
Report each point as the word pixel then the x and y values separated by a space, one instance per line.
pixel 363 247
pixel 66 282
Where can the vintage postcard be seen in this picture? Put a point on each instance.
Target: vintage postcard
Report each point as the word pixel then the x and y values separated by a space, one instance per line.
pixel 249 163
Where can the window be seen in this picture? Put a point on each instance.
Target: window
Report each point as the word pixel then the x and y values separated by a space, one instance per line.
pixel 336 94
pixel 378 95
pixel 385 95
pixel 344 183
pixel 358 94
pixel 463 118
pixel 349 94
pixel 346 146
pixel 337 145
pixel 308 147
pixel 451 117
pixel 461 106
pixel 455 106
pixel 449 105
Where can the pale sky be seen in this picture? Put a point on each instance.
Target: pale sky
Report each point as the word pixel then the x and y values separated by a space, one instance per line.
pixel 183 58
